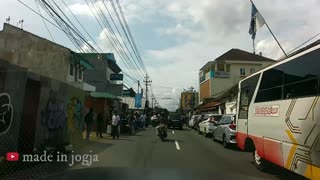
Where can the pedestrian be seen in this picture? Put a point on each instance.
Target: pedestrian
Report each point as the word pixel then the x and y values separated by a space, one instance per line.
pixel 99 125
pixel 143 120
pixel 89 122
pixel 115 125
pixel 131 123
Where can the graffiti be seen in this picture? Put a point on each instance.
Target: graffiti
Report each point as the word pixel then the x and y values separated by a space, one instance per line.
pixel 54 115
pixel 6 113
pixel 74 114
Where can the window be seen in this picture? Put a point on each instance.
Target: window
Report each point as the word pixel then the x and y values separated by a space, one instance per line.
pixel 242 71
pixel 213 67
pixel 272 94
pixel 80 72
pixel 71 71
pixel 228 68
pixel 247 90
pixel 220 67
pixel 252 70
pixel 296 78
pixel 185 97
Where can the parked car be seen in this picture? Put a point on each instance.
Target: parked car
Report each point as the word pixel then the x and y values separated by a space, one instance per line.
pixel 175 121
pixel 199 120
pixel 225 131
pixel 206 127
pixel 193 120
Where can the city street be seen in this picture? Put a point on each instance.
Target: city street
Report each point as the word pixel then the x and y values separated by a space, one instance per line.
pixel 184 155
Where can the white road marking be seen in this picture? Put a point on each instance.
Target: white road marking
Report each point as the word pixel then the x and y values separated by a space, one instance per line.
pixel 172 132
pixel 177 145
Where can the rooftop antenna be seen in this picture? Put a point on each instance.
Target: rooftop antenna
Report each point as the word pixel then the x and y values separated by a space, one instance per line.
pixel 8 20
pixel 21 22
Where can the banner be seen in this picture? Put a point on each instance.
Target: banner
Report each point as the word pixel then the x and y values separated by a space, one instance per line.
pixel 137 101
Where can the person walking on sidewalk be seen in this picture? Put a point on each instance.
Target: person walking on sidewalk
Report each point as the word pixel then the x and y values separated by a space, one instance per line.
pixel 99 124
pixel 115 125
pixel 131 123
pixel 89 122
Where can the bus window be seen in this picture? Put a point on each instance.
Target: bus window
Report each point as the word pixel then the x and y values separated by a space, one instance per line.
pixel 247 90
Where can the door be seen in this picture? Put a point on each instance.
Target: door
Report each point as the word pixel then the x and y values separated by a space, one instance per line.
pixel 29 116
pixel 246 92
pixel 219 130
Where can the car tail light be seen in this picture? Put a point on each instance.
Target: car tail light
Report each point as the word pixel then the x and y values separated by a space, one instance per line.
pixel 232 126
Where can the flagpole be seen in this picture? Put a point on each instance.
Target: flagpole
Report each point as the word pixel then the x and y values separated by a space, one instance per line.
pixel 254 48
pixel 272 34
pixel 276 39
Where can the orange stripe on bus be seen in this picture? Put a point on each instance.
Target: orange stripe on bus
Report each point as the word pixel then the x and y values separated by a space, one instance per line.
pixel 292 150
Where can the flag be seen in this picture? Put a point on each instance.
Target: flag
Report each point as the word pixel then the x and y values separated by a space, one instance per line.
pixel 257 21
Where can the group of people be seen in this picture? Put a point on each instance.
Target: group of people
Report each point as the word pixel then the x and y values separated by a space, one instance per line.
pixel 135 122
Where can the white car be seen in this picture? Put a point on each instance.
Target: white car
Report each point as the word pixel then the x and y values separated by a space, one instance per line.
pixel 206 127
pixel 192 120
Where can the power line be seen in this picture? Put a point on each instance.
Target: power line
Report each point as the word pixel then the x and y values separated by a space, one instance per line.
pixel 118 31
pixel 117 41
pixel 45 24
pixel 120 54
pixel 81 25
pixel 130 34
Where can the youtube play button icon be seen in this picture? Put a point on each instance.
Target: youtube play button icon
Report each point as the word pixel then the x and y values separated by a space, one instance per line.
pixel 12 156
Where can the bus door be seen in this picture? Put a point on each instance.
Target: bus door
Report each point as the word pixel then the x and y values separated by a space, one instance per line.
pixel 246 92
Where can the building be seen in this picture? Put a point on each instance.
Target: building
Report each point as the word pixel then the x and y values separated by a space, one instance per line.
pixel 218 76
pixel 189 100
pixel 43 57
pixel 102 76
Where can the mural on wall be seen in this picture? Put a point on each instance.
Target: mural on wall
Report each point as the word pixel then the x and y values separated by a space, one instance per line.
pixel 6 113
pixel 54 121
pixel 74 114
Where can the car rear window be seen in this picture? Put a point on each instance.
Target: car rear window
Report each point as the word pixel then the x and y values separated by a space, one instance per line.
pixel 216 118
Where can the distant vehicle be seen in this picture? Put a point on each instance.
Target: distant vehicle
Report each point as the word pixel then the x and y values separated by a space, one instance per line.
pixel 225 131
pixel 207 126
pixel 278 116
pixel 192 120
pixel 175 121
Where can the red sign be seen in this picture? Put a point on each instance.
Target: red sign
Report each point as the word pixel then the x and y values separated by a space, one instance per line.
pixel 269 111
pixel 12 156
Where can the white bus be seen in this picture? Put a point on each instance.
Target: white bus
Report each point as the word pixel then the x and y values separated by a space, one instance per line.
pixel 278 115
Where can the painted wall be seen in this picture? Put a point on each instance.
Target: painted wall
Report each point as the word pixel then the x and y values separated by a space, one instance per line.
pixel 12 82
pixel 58 116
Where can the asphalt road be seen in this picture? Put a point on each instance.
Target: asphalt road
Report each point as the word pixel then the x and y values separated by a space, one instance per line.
pixel 184 155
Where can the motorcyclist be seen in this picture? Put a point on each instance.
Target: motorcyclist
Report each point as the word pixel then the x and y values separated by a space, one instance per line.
pixel 162 125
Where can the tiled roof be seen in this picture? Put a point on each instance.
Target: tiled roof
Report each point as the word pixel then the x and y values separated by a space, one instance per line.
pixel 237 54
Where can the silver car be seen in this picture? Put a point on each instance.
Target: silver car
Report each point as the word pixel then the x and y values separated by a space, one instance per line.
pixel 225 131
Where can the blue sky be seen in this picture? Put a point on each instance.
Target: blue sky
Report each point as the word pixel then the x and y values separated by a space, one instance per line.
pixel 177 37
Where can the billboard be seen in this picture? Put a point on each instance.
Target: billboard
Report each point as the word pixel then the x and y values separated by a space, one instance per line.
pixel 116 77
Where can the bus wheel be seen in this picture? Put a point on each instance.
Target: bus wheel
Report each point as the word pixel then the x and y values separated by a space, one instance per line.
pixel 260 163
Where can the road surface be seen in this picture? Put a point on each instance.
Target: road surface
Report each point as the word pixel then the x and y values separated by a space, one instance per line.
pixel 184 155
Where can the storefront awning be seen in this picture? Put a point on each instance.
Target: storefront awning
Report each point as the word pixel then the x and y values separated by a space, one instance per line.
pixel 104 95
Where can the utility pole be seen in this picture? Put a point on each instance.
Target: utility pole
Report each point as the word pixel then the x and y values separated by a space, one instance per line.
pixel 147 81
pixel 138 87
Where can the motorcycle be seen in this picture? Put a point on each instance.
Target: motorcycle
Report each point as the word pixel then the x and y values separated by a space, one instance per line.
pixel 162 132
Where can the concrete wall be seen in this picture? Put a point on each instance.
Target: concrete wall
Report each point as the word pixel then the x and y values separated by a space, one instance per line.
pixel 220 85
pixel 36 54
pixel 205 90
pixel 12 85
